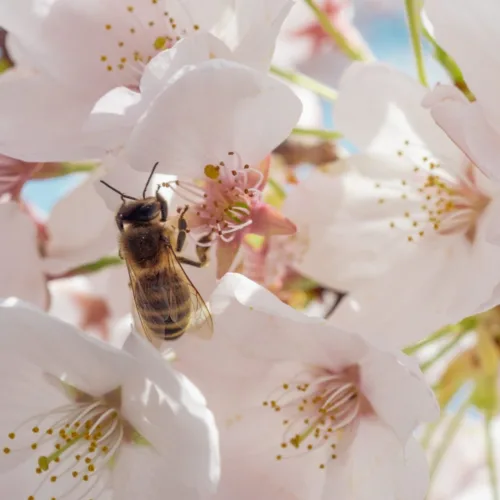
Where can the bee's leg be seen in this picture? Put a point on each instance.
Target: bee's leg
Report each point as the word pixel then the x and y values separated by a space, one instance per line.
pixel 202 252
pixel 163 204
pixel 182 230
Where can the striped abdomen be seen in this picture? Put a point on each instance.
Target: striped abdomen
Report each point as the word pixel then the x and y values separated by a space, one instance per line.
pixel 163 302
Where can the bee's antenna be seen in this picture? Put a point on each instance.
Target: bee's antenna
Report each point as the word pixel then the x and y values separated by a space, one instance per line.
pixel 119 192
pixel 149 180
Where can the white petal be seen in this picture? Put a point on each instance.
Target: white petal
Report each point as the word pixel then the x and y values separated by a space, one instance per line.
pixel 467 125
pixel 398 392
pixel 140 472
pixel 465 30
pixel 258 25
pixel 21 272
pixel 59 349
pixel 414 478
pixel 379 108
pixel 215 108
pixel 41 121
pixel 25 393
pixel 192 50
pixel 372 468
pixel 170 412
pixel 81 230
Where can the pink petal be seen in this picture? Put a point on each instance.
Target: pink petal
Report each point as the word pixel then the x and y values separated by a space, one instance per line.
pixel 268 221
pixel 263 168
pixel 226 253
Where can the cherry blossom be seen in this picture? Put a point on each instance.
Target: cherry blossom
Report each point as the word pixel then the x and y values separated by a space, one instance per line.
pixel 228 119
pixel 306 410
pixel 410 233
pixel 83 419
pixel 80 50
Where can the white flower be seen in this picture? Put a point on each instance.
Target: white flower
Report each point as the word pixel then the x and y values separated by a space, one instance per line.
pixel 80 51
pixel 466 29
pixel 79 230
pixel 81 419
pixel 21 266
pixel 305 410
pixel 410 233
pixel 226 120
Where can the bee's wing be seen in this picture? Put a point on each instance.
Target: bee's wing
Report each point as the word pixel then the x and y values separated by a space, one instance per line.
pixel 139 297
pixel 201 321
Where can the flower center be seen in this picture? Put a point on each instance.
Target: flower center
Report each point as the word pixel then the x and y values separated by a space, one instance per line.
pixel 74 444
pixel 317 408
pixel 437 200
pixel 222 204
pixel 143 29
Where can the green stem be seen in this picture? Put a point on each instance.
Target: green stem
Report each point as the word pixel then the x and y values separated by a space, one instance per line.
pixel 415 24
pixel 430 339
pixel 444 350
pixel 490 456
pixel 342 42
pixel 448 436
pixel 307 82
pixel 327 135
pixel 449 65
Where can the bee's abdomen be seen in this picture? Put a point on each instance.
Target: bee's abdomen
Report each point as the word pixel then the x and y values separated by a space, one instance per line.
pixel 164 320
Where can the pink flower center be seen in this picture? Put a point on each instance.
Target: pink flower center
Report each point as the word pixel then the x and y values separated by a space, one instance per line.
pixel 316 408
pixel 222 203
pixel 438 200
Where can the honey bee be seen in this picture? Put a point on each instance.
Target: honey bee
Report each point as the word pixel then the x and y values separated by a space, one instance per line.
pixel 166 300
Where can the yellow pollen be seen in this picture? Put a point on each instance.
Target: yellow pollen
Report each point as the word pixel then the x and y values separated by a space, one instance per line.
pixel 108 26
pixel 160 43
pixel 91 468
pixel 34 446
pixel 278 457
pixel 74 473
pixel 35 430
pixel 121 44
pixel 12 435
pixel 285 386
pixel 85 477
pixel 49 432
pixel 151 23
pixel 322 466
pixel 6 451
pixel 31 497
pixel 130 8
pixel 196 27
pixel 265 403
pixel 104 58
pixel 309 446
pixel 334 456
pixel 88 460
pixel 53 479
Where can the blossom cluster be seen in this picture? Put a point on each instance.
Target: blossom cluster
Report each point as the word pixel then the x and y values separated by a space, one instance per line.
pixel 330 291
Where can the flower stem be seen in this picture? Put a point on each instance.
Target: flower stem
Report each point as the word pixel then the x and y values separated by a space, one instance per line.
pixel 450 66
pixel 430 339
pixel 342 42
pixel 490 456
pixel 415 24
pixel 444 350
pixel 307 82
pixel 327 135
pixel 449 436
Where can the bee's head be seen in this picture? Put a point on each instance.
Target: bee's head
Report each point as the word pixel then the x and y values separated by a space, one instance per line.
pixel 138 211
